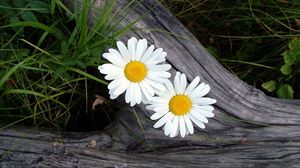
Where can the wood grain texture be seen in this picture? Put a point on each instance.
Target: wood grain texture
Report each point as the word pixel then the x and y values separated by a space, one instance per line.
pixel 250 129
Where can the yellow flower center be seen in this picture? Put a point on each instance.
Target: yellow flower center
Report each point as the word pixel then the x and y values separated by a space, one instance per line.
pixel 135 71
pixel 180 104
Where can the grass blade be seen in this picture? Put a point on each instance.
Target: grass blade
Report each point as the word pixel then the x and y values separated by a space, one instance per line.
pixel 86 75
pixel 39 25
pixel 11 71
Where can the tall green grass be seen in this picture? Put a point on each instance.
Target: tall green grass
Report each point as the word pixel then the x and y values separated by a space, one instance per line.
pixel 48 61
pixel 249 37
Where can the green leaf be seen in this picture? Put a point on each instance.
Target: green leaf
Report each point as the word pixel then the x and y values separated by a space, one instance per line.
pixel 269 86
pixel 40 6
pixel 28 16
pixel 52 7
pixel 294 49
pixel 291 56
pixel 19 3
pixel 6 9
pixel 294 44
pixel 64 48
pixel 285 91
pixel 12 20
pixel 286 69
pixel 288 58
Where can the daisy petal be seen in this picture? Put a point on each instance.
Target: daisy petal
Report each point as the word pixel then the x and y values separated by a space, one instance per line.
pixel 115 59
pixel 202 92
pixel 129 93
pixel 158 59
pixel 148 88
pixel 153 106
pixel 189 124
pixel 204 112
pixel 147 54
pixel 196 121
pixel 113 96
pixel 145 91
pixel 123 50
pixel 158 77
pixel 156 54
pixel 121 89
pixel 158 115
pixel 131 44
pixel 137 94
pixel 170 87
pixel 159 100
pixel 132 102
pixel 168 127
pixel 116 83
pixel 162 108
pixel 192 85
pixel 198 116
pixel 165 95
pixel 117 55
pixel 182 126
pixel 187 130
pixel 113 76
pixel 145 45
pixel 208 108
pixel 177 82
pixel 145 100
pixel 175 125
pixel 203 101
pixel 159 68
pixel 183 83
pixel 177 132
pixel 197 89
pixel 155 85
pixel 139 50
pixel 108 68
pixel 162 74
pixel 163 120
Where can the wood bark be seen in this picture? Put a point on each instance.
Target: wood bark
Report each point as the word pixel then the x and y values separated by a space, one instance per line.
pixel 249 129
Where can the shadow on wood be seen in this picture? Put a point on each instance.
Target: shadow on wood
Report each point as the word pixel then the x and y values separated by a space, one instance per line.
pixel 250 129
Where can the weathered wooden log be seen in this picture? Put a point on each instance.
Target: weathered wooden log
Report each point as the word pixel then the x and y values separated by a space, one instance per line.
pixel 250 129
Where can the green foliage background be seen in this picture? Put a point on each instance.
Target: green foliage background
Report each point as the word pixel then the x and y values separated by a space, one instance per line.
pixel 257 40
pixel 49 59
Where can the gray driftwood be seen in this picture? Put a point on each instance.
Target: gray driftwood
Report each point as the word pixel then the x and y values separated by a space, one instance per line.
pixel 250 129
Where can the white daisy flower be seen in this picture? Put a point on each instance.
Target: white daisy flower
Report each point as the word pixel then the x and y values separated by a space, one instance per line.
pixel 180 106
pixel 135 69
